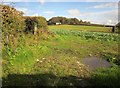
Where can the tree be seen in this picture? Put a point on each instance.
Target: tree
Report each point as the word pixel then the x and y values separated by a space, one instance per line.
pixel 73 21
pixel 63 20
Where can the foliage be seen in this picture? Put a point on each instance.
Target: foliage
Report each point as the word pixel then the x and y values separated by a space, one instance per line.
pixel 64 20
pixel 73 21
pixel 31 22
pixel 55 20
pixel 12 23
pixel 59 55
pixel 11 19
pixel 109 78
pixel 88 35
pixel 41 23
pixel 112 58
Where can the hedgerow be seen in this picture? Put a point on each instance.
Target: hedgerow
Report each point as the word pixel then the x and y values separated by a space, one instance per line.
pixel 32 22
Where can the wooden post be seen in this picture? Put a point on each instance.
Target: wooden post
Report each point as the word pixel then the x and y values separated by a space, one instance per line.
pixel 35 29
pixel 113 29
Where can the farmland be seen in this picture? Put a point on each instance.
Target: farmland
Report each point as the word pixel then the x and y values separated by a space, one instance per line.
pixel 67 50
pixel 55 59
pixel 83 28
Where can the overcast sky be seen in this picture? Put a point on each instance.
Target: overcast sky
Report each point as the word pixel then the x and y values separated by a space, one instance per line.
pixel 89 10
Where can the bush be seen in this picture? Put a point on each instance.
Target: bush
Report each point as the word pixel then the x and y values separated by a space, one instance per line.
pixel 12 20
pixel 12 23
pixel 31 22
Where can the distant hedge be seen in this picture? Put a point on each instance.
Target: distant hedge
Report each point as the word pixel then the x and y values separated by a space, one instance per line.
pixel 31 22
pixel 64 20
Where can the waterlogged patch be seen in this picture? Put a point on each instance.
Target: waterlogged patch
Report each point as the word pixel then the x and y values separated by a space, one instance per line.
pixel 94 63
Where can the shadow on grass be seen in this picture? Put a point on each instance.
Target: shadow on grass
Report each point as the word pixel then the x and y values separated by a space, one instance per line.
pixel 48 79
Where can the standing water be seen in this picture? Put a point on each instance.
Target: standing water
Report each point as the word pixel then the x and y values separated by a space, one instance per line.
pixel 93 63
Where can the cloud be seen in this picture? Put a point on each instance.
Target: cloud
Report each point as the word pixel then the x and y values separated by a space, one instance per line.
pixel 49 12
pixel 24 10
pixel 13 0
pixel 36 14
pixel 60 1
pixel 6 3
pixel 105 17
pixel 100 0
pixel 74 12
pixel 42 2
pixel 107 5
pixel 17 0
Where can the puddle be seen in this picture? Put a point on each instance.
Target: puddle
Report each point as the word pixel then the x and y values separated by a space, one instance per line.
pixel 94 62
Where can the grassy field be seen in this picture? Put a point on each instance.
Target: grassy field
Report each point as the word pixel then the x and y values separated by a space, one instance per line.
pixel 82 28
pixel 55 60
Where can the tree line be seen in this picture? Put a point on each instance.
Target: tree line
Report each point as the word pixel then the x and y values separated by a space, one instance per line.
pixel 64 20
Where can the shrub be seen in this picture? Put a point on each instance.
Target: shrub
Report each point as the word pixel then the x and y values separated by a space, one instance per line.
pixel 12 22
pixel 31 22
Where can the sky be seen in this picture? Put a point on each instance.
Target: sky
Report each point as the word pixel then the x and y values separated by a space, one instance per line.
pixel 88 10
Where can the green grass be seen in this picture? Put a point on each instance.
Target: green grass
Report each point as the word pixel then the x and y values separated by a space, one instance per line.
pixel 54 61
pixel 82 28
pixel 106 78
